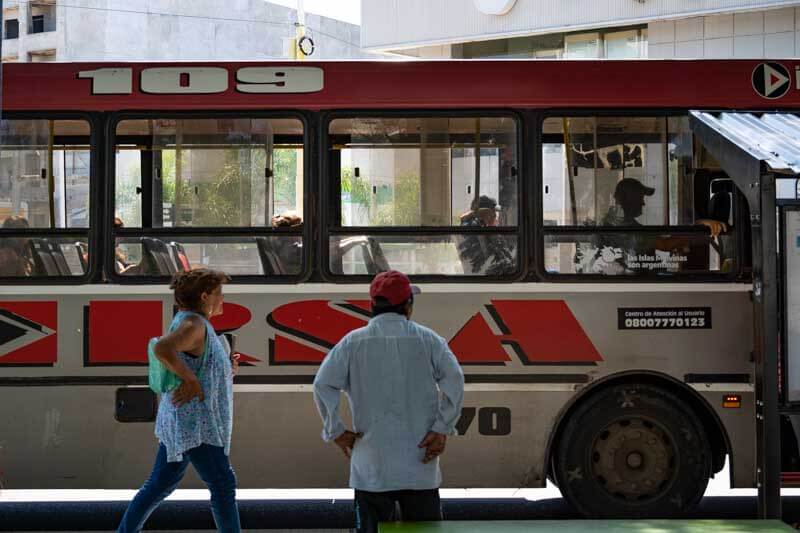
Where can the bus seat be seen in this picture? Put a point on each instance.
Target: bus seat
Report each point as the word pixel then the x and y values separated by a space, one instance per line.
pixel 179 256
pixel 58 258
pixel 378 257
pixel 157 258
pixel 719 206
pixel 340 249
pixel 366 255
pixel 83 255
pixel 270 261
pixel 43 262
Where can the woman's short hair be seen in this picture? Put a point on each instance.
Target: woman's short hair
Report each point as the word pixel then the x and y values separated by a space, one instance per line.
pixel 190 286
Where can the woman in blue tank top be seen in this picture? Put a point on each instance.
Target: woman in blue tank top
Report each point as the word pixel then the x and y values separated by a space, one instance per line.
pixel 195 419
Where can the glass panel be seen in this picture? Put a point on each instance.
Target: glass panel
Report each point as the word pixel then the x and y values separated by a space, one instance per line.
pixel 681 169
pixel 544 46
pixel 12 29
pixel 623 45
pixel 128 197
pixel 583 46
pixel 611 171
pixel 44 173
pixel 232 172
pixel 637 253
pixel 236 256
pixel 43 256
pixel 449 255
pixel 425 171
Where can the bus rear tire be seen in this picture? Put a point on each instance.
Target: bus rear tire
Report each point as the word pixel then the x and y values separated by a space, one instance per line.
pixel 633 451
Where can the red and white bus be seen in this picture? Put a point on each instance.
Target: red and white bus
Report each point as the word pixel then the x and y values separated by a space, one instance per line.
pixel 556 215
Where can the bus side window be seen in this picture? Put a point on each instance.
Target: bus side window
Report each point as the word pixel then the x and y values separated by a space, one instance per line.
pixel 433 195
pixel 45 168
pixel 628 201
pixel 205 185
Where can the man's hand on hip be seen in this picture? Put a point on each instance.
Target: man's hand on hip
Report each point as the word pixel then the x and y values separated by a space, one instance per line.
pixel 434 444
pixel 346 441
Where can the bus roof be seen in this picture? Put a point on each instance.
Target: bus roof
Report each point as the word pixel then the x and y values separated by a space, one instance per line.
pixel 705 84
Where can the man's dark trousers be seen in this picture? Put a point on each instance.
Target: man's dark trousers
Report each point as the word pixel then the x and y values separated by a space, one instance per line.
pixel 415 506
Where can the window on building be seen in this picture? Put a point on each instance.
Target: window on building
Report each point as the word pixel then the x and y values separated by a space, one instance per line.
pixel 44 184
pixel 425 195
pixel 229 175
pixel 37 24
pixel 620 197
pixel 583 46
pixel 42 17
pixel 11 29
pixel 630 43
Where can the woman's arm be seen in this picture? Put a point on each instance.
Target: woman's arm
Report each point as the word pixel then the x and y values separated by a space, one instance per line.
pixel 189 336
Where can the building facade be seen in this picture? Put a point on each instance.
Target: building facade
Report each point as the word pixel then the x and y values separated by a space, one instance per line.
pixel 582 28
pixel 129 30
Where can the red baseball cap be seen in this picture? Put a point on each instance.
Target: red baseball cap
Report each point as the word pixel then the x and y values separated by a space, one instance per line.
pixel 392 285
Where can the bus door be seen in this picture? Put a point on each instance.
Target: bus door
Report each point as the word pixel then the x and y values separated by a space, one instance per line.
pixel 789 313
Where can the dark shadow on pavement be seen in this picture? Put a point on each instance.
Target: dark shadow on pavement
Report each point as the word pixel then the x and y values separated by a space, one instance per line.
pixel 318 514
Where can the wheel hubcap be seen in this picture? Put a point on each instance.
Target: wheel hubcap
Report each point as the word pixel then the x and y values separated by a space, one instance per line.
pixel 634 459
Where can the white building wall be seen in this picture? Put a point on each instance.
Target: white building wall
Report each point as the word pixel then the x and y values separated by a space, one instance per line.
pixel 127 30
pixel 395 24
pixel 774 33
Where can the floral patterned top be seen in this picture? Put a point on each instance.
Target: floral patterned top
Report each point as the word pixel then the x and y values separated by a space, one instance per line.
pixel 194 423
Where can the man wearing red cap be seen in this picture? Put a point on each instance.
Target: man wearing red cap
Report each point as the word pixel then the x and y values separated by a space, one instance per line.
pixel 405 389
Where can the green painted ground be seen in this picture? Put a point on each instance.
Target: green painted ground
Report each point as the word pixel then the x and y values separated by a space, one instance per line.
pixel 596 526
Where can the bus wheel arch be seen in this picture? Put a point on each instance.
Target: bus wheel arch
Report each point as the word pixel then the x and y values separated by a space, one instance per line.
pixel 653 385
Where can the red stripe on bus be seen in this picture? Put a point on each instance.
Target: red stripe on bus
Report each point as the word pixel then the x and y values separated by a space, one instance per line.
pixel 113 339
pixel 314 320
pixel 287 351
pixel 476 343
pixel 364 305
pixel 419 84
pixel 233 317
pixel 545 331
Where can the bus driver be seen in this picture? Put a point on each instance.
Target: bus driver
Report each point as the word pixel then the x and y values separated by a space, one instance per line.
pixel 613 250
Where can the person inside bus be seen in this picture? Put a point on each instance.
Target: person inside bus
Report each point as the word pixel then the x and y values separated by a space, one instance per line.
pixel 121 262
pixel 15 256
pixel 490 252
pixel 289 250
pixel 405 389
pixel 195 420
pixel 612 250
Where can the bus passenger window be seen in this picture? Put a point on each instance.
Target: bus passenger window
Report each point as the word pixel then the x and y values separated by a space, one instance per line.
pixel 618 199
pixel 44 184
pixel 230 175
pixel 450 183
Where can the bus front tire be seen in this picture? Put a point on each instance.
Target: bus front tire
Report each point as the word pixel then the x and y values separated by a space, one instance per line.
pixel 633 451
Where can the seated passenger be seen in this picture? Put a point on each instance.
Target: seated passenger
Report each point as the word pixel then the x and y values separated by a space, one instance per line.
pixel 490 252
pixel 289 219
pixel 121 263
pixel 629 202
pixel 12 264
pixel 15 257
pixel 289 250
pixel 614 251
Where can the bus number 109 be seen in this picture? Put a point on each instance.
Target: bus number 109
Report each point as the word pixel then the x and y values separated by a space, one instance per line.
pixel 205 80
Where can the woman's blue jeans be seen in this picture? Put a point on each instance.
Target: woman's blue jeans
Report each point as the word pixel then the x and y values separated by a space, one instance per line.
pixel 214 469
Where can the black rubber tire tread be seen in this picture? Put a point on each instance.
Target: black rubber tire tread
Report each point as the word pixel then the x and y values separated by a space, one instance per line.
pixel 693 453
